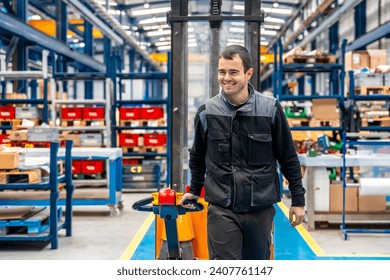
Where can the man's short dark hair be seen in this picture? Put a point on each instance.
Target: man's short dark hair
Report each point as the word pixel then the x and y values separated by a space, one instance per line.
pixel 231 51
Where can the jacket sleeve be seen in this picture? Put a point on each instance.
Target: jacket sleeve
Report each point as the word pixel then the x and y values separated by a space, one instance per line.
pixel 197 162
pixel 287 157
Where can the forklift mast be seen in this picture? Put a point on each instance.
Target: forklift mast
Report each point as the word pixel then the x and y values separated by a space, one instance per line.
pixel 178 18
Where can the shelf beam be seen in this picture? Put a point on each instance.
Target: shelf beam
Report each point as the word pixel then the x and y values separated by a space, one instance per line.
pixel 17 27
pixel 369 37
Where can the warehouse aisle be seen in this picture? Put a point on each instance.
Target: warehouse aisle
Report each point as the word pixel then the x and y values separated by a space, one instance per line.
pixel 290 243
pixel 98 236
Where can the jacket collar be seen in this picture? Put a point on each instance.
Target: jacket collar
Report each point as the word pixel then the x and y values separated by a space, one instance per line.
pixel 246 105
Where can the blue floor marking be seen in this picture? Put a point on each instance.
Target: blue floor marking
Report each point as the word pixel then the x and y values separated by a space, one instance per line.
pixel 145 250
pixel 288 244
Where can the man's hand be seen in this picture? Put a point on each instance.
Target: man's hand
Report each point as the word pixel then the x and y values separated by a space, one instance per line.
pixel 188 196
pixel 296 215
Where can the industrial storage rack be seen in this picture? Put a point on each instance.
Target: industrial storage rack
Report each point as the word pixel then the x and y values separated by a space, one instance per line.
pixel 53 202
pixel 118 102
pixel 336 84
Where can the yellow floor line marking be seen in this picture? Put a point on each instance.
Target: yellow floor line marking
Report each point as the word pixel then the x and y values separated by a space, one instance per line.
pixel 133 245
pixel 304 233
pixel 314 245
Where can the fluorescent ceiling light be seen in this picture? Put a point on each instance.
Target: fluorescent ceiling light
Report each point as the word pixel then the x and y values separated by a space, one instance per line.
pixel 152 20
pixel 236 40
pixel 111 3
pixel 192 45
pixel 150 11
pixel 164 48
pixel 155 27
pixel 277 11
pixel 164 39
pixel 233 43
pixel 274 20
pixel 236 29
pixel 271 26
pixel 164 43
pixel 280 11
pixel 158 33
pixel 268 32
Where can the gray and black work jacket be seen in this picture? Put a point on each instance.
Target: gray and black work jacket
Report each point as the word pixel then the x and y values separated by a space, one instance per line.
pixel 236 150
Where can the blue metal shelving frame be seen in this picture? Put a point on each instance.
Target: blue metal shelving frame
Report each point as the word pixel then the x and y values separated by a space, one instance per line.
pixel 118 102
pixel 52 186
pixel 347 142
pixel 336 71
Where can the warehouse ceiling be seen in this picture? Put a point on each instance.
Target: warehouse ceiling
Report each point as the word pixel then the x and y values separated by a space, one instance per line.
pixel 147 20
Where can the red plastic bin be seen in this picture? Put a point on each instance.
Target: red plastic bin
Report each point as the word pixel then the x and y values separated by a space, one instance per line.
pixel 71 113
pixel 7 112
pixel 152 113
pixel 76 167
pixel 130 113
pixel 93 113
pixel 128 139
pixel 4 139
pixel 155 139
pixel 92 166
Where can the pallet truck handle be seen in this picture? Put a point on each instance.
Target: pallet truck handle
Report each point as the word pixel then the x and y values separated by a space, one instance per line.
pixel 140 205
pixel 198 206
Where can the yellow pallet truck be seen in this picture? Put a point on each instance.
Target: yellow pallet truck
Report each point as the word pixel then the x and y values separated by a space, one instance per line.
pixel 181 233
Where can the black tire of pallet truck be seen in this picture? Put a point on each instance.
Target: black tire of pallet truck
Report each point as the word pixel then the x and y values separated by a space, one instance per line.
pixel 187 252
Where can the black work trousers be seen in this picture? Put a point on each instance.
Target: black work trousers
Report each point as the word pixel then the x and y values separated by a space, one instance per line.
pixel 239 236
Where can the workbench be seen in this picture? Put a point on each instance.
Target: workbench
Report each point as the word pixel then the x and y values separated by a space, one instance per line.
pixel 331 160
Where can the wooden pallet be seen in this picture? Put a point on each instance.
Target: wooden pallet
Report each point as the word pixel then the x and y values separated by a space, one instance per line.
pixel 11 122
pixel 298 122
pixel 369 90
pixel 310 59
pixel 324 122
pixel 145 149
pixel 134 123
pixel 382 121
pixel 32 176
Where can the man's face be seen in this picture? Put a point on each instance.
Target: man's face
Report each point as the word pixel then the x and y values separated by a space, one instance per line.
pixel 231 75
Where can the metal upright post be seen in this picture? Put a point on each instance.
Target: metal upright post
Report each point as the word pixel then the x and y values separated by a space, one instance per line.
pixel 215 25
pixel 252 38
pixel 179 92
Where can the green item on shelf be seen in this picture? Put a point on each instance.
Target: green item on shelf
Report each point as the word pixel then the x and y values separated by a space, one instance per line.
pixel 312 152
pixel 332 174
pixel 295 112
pixel 335 145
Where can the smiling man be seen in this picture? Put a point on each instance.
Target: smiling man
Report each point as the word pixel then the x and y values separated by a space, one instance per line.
pixel 240 137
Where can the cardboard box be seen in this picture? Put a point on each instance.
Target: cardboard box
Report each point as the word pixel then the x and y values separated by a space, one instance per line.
pixel 336 198
pixel 356 60
pixel 18 135
pixel 75 138
pixel 326 108
pixel 375 203
pixel 9 160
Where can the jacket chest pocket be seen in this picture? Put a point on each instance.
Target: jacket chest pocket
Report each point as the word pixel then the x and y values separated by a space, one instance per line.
pixel 219 147
pixel 260 149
